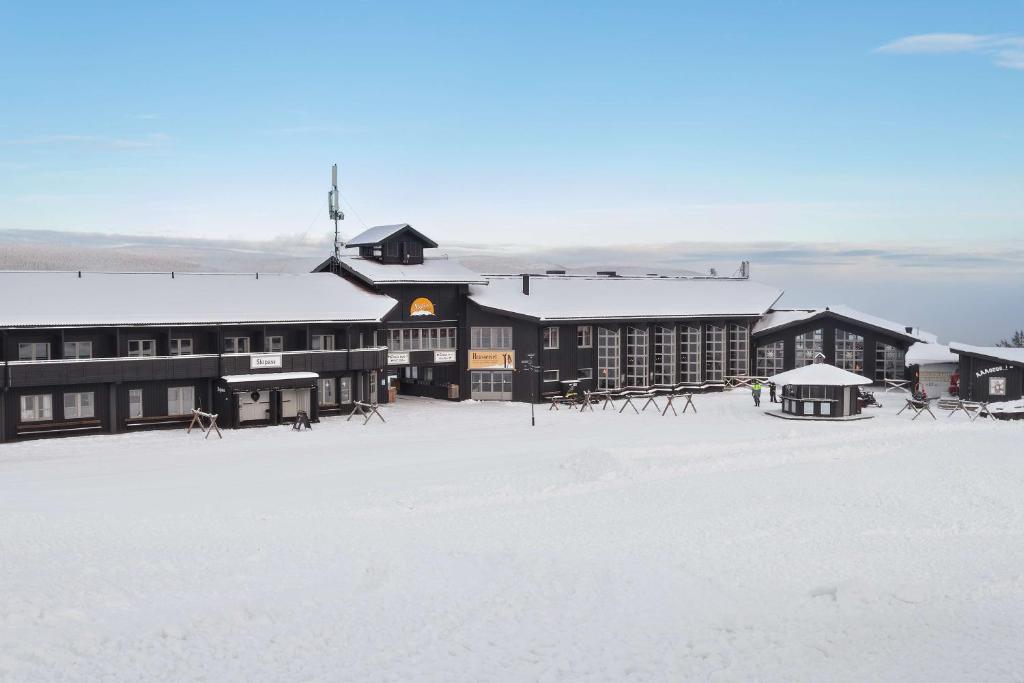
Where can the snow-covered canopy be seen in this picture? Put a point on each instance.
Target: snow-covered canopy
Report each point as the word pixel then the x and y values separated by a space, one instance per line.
pixel 379 233
pixel 819 374
pixel 921 353
pixel 432 270
pixel 63 299
pixel 569 297
pixel 1002 353
pixel 269 377
pixel 785 317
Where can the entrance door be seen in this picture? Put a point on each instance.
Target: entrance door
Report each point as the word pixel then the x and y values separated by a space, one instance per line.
pixel 294 400
pixel 373 387
pixel 250 410
pixel 491 385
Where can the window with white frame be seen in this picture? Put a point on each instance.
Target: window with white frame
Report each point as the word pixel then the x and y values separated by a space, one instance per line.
pixel 551 375
pixel 273 343
pixel 739 349
pixel 236 345
pixel 181 346
pixel 608 361
pixel 36 407
pixel 889 362
pixel 33 351
pixel 807 346
pixel 141 347
pixel 78 405
pixel 78 349
pixel 689 354
pixel 664 355
pixel 344 390
pixel 770 359
pixel 584 373
pixel 584 337
pixel 714 352
pixel 849 351
pixel 997 386
pixel 550 337
pixel 180 400
pixel 636 357
pixel 322 342
pixel 135 403
pixel 422 339
pixel 327 391
pixel 491 338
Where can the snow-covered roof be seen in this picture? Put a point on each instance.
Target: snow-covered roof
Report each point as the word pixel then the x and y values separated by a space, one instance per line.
pixel 568 297
pixel 379 233
pixel 432 270
pixel 921 353
pixel 269 377
pixel 819 374
pixel 63 299
pixel 1002 353
pixel 786 317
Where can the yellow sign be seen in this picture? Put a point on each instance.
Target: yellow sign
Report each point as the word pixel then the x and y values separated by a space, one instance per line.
pixel 492 360
pixel 421 306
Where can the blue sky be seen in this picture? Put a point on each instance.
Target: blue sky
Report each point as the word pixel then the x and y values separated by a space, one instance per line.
pixel 542 123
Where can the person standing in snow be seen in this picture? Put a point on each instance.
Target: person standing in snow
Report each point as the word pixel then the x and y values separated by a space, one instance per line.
pixel 771 392
pixel 756 390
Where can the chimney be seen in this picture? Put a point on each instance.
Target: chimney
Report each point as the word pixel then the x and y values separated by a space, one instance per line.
pixel 526 284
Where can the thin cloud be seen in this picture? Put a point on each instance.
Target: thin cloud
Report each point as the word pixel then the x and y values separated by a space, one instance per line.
pixel 147 141
pixel 1005 51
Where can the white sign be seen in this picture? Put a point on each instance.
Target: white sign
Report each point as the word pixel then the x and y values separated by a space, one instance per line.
pixel 264 360
pixel 398 358
pixel 444 356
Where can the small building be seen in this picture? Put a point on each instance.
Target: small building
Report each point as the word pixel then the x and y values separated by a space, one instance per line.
pixel 991 374
pixel 932 368
pixel 819 392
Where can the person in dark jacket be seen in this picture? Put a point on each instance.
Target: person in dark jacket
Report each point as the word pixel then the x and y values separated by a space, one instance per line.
pixel 771 392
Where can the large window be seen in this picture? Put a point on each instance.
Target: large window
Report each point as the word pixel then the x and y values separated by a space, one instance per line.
pixel 494 385
pixel 273 344
pixel 33 351
pixel 664 355
pixel 551 375
pixel 180 400
pixel 714 353
pixel 889 361
pixel 327 392
pixel 236 345
pixel 141 347
pixel 422 339
pixel 323 342
pixel 584 336
pixel 584 373
pixel 608 348
pixel 769 359
pixel 135 408
pixel 636 357
pixel 550 337
pixel 344 389
pixel 807 346
pixel 491 337
pixel 36 407
pixel 689 354
pixel 849 351
pixel 78 349
pixel 181 346
pixel 739 349
pixel 78 405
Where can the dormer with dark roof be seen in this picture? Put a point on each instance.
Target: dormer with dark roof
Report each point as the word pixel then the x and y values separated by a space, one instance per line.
pixel 399 243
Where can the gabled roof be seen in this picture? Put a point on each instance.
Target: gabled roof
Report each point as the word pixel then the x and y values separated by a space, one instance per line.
pixel 375 235
pixel 819 374
pixel 431 271
pixel 921 353
pixel 569 297
pixel 1006 354
pixel 67 299
pixel 778 319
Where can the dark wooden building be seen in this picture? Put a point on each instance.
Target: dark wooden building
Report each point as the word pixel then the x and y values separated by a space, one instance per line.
pixel 99 352
pixel 990 373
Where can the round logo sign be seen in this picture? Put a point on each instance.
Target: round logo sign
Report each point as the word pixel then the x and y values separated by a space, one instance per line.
pixel 421 306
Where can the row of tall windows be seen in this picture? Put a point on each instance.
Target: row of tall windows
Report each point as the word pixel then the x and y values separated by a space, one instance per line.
pixel 490 338
pixel 422 339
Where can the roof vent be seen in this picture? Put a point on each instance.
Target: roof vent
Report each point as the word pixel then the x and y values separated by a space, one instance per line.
pixel 526 284
pixel 554 272
pixel 609 273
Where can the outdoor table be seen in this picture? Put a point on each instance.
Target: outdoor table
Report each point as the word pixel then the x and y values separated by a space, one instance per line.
pixel 919 407
pixel 367 410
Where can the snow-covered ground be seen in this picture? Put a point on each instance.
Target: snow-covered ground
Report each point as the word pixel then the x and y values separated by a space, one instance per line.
pixel 455 543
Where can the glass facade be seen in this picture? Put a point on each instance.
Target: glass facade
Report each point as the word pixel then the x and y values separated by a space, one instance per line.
pixel 889 362
pixel 739 349
pixel 608 364
pixel 770 358
pixel 689 354
pixel 664 355
pixel 849 351
pixel 714 353
pixel 636 357
pixel 807 346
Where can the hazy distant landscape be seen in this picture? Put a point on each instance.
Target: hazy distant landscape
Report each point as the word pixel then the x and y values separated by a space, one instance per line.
pixel 968 293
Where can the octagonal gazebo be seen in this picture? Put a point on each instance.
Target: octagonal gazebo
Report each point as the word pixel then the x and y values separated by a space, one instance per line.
pixel 819 392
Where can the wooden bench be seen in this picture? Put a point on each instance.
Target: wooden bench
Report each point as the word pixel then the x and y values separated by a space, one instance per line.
pixel 55 427
pixel 919 407
pixel 157 420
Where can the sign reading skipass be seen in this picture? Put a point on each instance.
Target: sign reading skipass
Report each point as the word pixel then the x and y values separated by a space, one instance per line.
pixel 492 360
pixel 421 306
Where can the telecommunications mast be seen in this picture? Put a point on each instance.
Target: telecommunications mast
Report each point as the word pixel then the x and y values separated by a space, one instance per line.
pixel 334 210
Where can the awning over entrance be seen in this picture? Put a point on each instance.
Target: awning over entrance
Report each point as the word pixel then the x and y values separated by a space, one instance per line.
pixel 271 380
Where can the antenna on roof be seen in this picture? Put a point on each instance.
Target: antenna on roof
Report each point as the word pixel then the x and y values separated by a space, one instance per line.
pixel 334 210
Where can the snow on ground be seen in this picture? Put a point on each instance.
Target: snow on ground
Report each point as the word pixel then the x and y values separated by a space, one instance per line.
pixel 455 543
